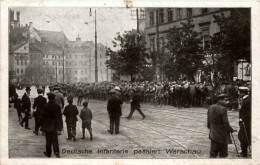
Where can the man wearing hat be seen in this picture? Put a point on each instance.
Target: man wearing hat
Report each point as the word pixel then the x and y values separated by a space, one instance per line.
pixel 114 106
pixel 244 133
pixel 59 99
pixel 38 104
pixel 26 103
pixel 220 128
pixel 135 105
pixel 51 124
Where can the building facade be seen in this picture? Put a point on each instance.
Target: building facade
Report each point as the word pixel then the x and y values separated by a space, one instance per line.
pixel 166 18
pixel 42 56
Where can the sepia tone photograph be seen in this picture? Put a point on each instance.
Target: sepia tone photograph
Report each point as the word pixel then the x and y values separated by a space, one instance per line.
pixel 129 83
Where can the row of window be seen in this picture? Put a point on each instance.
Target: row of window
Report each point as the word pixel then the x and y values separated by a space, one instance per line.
pixel 172 14
pixel 21 62
pixel 205 40
pixel 18 71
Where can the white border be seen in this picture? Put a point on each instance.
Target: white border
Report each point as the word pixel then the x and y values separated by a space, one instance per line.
pixel 255 30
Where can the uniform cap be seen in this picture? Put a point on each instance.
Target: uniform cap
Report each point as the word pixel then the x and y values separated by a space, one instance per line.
pixel 117 88
pixel 56 87
pixel 222 96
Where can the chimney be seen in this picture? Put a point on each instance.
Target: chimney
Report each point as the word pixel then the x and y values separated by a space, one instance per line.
pixel 18 16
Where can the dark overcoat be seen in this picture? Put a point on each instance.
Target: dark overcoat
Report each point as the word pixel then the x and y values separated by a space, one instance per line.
pixel 26 103
pixel 135 101
pixel 51 117
pixel 218 124
pixel 114 106
pixel 245 115
pixel 71 112
pixel 38 104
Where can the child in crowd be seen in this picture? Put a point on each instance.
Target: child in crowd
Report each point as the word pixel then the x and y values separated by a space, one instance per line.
pixel 71 112
pixel 86 117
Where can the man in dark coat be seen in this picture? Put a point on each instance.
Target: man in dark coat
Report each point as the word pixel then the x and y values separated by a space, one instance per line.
pixel 26 108
pixel 135 105
pixel 71 112
pixel 244 134
pixel 38 104
pixel 18 106
pixel 220 128
pixel 51 124
pixel 114 110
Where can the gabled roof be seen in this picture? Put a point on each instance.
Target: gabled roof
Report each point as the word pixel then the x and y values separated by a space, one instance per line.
pixel 18 37
pixel 54 39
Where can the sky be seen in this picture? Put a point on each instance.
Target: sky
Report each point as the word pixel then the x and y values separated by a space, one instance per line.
pixel 71 21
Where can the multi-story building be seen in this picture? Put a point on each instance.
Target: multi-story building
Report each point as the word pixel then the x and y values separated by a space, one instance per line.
pixel 203 21
pixel 48 56
pixel 80 61
pixel 53 47
pixel 78 56
pixel 20 38
pixel 166 18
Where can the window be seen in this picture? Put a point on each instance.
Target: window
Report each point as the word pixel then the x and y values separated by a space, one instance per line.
pixel 204 10
pixel 17 71
pixel 189 12
pixel 161 16
pixel 21 71
pixel 170 14
pixel 205 36
pixel 161 41
pixel 21 62
pixel 25 48
pixel 179 13
pixel 17 62
pixel 152 45
pixel 151 18
pixel 25 62
pixel 53 63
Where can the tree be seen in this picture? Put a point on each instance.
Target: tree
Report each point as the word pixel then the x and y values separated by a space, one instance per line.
pixel 232 42
pixel 131 58
pixel 184 51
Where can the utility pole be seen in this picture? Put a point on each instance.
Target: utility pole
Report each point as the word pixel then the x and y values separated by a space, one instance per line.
pixel 137 41
pixel 96 67
pixel 63 75
pixel 56 69
pixel 157 71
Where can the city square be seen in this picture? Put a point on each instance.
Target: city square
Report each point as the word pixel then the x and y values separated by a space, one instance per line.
pixel 144 83
pixel 164 128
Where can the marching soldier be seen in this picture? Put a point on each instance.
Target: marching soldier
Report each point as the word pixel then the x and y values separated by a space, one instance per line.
pixel 135 105
pixel 38 104
pixel 26 108
pixel 220 128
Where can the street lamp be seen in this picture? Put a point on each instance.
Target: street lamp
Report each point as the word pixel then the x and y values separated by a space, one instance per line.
pixel 96 67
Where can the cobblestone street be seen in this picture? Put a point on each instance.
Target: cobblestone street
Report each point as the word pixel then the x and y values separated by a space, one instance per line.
pixel 165 129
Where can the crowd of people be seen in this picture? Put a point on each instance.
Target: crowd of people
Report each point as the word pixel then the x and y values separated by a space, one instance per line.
pixel 48 115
